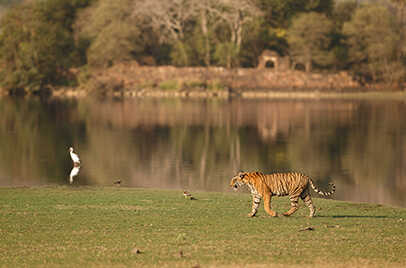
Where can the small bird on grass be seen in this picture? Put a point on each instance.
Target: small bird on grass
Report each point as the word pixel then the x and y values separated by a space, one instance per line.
pixel 75 157
pixel 136 251
pixel 307 229
pixel 188 195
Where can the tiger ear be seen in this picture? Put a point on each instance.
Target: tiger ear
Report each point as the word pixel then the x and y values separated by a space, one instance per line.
pixel 241 174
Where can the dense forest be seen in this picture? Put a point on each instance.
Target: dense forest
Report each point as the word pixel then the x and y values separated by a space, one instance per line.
pixel 41 41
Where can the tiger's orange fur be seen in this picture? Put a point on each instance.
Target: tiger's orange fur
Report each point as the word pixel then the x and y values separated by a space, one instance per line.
pixel 278 184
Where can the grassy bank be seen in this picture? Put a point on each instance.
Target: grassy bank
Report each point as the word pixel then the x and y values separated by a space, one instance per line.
pixel 111 227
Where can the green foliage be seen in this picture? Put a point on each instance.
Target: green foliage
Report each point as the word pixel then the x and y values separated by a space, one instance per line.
pixel 36 45
pixel 110 32
pixel 201 47
pixel 279 13
pixel 194 84
pixel 373 42
pixel 180 54
pixel 226 54
pixel 309 38
pixel 9 2
pixel 170 85
pixel 84 75
pixel 5 4
pixel 114 43
pixel 255 41
pixel 343 11
pixel 216 85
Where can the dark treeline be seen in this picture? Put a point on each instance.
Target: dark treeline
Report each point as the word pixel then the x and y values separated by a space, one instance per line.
pixel 42 40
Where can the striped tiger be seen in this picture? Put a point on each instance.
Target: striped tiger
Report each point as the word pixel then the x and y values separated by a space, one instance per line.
pixel 278 184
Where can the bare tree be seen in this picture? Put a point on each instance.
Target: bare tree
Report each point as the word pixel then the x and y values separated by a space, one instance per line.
pixel 169 17
pixel 233 13
pixel 237 13
pixel 208 20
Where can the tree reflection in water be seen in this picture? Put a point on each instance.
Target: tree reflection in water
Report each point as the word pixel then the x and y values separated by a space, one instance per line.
pixel 200 144
pixel 73 173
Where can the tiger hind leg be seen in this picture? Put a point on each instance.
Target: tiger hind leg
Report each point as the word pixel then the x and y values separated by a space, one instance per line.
pixel 293 205
pixel 308 202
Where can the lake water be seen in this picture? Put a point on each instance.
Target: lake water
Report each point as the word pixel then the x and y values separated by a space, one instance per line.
pixel 200 144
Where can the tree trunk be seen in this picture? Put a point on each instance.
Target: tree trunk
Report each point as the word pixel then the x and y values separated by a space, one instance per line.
pixel 308 60
pixel 206 37
pixel 308 66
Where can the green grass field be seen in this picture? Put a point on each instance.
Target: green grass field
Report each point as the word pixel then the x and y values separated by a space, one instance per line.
pixel 119 227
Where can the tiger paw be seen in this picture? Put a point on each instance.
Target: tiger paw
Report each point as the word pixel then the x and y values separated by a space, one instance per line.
pixel 272 213
pixel 251 215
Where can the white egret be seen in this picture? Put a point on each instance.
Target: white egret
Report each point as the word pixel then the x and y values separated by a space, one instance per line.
pixel 75 157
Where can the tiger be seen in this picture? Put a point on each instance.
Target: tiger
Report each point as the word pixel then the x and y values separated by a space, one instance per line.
pixel 265 186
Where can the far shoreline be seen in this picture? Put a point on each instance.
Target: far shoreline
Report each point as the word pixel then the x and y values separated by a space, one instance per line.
pixel 129 80
pixel 245 94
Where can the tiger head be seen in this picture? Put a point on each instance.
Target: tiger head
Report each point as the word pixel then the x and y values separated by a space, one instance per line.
pixel 238 180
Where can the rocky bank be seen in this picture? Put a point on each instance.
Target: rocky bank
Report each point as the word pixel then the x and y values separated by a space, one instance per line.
pixel 132 80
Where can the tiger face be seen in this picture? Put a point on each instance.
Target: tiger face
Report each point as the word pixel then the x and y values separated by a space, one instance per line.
pixel 238 181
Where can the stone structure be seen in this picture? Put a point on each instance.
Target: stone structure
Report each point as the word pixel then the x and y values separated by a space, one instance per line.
pixel 269 56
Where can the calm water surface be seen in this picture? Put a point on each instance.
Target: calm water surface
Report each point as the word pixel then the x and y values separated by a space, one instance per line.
pixel 201 144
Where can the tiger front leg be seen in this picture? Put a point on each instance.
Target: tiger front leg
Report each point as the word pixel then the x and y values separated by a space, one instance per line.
pixel 256 200
pixel 267 206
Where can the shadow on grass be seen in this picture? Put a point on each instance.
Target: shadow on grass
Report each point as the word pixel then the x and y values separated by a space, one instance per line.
pixel 354 216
